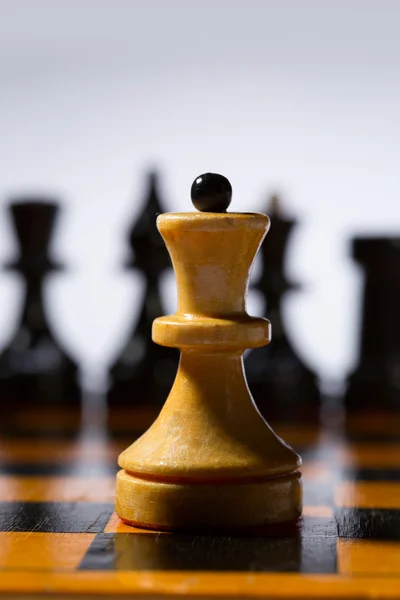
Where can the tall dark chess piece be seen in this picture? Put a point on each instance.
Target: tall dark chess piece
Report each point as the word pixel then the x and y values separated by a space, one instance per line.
pixel 375 383
pixel 144 372
pixel 34 369
pixel 282 386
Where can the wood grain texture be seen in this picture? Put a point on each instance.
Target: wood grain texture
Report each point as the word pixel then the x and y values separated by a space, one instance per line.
pixel 37 550
pixel 192 584
pixel 60 537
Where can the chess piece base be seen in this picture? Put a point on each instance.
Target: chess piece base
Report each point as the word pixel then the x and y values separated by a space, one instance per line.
pixel 154 504
pixel 372 393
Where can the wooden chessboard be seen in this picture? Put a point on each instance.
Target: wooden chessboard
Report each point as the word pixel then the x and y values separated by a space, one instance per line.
pixel 59 533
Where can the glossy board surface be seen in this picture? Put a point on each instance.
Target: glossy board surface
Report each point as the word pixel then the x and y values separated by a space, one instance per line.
pixel 59 533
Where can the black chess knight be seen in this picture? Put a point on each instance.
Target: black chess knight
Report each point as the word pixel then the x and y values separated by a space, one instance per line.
pixel 34 369
pixel 144 372
pixel 283 387
pixel 375 383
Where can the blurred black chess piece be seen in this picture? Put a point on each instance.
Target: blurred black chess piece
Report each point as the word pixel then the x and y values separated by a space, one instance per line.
pixel 34 369
pixel 282 386
pixel 144 372
pixel 375 383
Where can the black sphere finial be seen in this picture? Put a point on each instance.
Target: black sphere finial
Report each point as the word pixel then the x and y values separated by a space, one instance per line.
pixel 211 193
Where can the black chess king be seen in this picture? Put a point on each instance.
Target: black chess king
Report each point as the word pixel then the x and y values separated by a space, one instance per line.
pixel 210 460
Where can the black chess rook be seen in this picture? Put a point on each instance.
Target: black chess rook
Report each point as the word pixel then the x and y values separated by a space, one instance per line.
pixel 375 382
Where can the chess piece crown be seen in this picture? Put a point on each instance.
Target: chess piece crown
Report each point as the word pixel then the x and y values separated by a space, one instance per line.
pixel 210 459
pixel 33 219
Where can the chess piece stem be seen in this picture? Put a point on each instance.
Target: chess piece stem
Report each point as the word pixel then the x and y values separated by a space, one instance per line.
pixel 33 316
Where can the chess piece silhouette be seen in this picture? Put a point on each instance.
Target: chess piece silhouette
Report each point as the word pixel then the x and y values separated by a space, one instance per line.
pixel 283 387
pixel 375 382
pixel 34 369
pixel 144 371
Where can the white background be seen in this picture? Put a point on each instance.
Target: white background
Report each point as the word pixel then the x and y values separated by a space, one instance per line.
pixel 298 96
